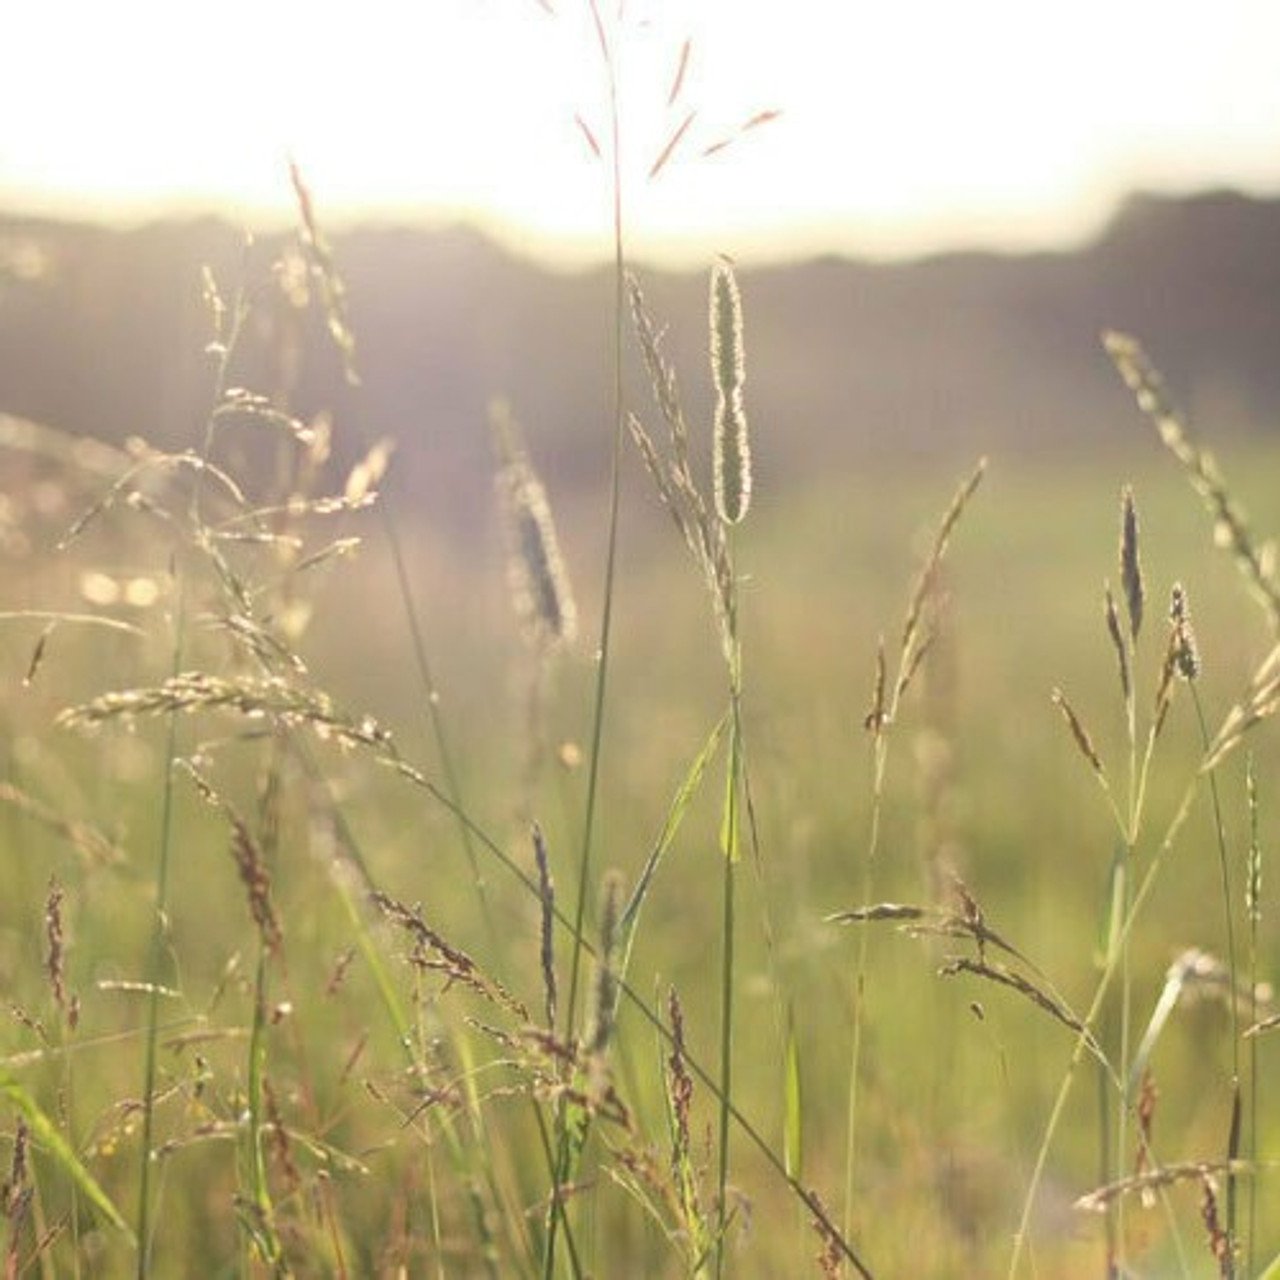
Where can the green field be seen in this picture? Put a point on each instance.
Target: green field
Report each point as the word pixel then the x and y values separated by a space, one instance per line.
pixel 339 1087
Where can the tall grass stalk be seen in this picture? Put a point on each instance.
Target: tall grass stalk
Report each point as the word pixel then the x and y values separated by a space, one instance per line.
pixel 1253 911
pixel 731 852
pixel 227 326
pixel 608 55
pixel 1125 640
pixel 914 643
pixel 1233 1000
pixel 1259 702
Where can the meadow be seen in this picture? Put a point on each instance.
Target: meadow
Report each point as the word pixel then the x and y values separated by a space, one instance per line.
pixel 376 907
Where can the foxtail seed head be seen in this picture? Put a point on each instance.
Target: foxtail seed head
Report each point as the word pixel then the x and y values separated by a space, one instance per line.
pixel 732 450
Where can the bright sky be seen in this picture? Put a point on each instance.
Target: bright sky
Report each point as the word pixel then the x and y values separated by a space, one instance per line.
pixel 906 125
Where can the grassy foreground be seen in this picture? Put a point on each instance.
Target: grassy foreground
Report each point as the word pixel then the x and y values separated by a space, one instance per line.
pixel 302 979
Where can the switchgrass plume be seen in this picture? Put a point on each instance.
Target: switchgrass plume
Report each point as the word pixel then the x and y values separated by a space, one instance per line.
pixel 732 449
pixel 539 582
pixel 1230 527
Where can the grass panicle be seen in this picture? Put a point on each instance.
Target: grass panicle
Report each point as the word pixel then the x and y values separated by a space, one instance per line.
pixel 1079 733
pixel 546 929
pixel 1131 562
pixel 539 581
pixel 732 449
pixel 1230 527
pixel 67 1002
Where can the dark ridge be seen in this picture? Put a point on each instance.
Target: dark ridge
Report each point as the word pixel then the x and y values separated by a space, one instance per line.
pixel 102 332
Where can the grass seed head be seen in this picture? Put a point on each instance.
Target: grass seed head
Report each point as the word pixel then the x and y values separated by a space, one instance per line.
pixel 1186 653
pixel 1130 563
pixel 732 450
pixel 1117 643
pixel 68 1004
pixel 605 994
pixel 1078 732
pixel 539 582
pixel 547 899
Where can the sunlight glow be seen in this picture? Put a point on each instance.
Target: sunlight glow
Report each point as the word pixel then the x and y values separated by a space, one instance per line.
pixel 904 126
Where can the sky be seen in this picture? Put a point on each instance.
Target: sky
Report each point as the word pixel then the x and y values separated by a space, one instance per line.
pixel 903 126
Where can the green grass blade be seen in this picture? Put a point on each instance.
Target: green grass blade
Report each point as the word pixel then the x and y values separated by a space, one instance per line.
pixel 680 803
pixel 46 1134
pixel 793 1129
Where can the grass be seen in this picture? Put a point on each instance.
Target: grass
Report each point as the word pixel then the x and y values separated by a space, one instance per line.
pixel 317 987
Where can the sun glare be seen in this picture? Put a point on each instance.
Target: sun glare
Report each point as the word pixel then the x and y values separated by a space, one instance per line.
pixel 899 123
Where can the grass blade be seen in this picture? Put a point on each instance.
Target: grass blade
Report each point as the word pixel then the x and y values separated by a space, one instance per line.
pixel 45 1132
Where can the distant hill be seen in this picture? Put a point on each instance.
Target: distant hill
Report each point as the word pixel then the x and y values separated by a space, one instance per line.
pixel 102 332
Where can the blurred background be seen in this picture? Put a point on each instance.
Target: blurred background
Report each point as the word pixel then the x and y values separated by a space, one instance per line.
pixel 934 211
